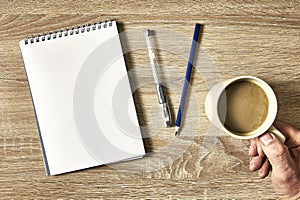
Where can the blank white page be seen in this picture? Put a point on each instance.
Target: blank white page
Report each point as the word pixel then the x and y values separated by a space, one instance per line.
pixel 82 98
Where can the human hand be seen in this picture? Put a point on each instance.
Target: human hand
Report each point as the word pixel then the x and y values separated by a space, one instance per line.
pixel 269 154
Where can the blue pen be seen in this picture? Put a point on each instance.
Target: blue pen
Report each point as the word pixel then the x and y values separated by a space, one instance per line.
pixel 187 77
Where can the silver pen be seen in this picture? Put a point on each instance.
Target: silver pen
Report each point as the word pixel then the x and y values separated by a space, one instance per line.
pixel 162 100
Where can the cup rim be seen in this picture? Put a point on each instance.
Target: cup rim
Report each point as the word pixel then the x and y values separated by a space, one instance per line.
pixel 272 108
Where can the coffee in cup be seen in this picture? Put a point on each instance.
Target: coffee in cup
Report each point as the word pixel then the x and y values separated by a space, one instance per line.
pixel 246 106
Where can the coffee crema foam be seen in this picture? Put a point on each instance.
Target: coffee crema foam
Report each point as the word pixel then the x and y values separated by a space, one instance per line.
pixel 246 106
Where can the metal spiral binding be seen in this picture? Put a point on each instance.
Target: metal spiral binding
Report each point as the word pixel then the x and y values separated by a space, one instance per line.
pixel 67 32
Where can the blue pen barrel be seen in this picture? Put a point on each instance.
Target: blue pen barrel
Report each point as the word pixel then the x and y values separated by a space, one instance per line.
pixel 188 74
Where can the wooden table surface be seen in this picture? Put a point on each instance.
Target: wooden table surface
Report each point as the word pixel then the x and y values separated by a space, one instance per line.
pixel 259 38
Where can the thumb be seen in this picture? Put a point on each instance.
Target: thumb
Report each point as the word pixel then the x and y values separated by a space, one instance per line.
pixel 277 153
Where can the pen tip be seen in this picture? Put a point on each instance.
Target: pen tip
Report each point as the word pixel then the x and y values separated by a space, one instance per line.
pixel 176 130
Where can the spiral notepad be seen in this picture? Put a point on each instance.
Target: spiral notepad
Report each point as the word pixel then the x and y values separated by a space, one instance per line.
pixel 82 97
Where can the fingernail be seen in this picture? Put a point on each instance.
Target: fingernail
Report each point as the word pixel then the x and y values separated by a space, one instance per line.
pixel 251 165
pixel 266 138
pixel 260 173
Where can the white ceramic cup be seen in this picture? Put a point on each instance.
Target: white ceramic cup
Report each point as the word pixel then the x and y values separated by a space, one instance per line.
pixel 215 108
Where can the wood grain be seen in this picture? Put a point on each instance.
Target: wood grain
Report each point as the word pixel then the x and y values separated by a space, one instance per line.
pixel 260 38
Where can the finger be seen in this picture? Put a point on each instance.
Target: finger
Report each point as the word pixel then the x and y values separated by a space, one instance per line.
pixel 292 134
pixel 253 148
pixel 276 152
pixel 265 169
pixel 259 148
pixel 259 156
pixel 257 162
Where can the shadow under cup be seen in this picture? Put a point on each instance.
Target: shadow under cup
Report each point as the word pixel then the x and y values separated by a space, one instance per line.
pixel 246 107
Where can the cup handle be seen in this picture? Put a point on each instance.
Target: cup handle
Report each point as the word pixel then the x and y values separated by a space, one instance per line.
pixel 277 133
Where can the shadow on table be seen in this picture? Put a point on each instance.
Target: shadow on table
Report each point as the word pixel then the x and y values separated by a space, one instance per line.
pixel 136 94
pixel 288 97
